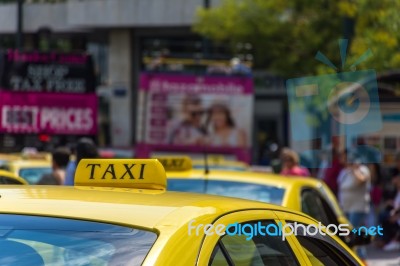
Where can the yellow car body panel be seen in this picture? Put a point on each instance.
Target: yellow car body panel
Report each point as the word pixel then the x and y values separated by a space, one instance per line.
pixel 9 157
pixel 168 214
pixel 34 156
pixel 16 165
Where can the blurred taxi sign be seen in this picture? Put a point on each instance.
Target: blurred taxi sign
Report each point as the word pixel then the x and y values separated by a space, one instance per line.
pixel 121 173
pixel 176 163
pixel 215 158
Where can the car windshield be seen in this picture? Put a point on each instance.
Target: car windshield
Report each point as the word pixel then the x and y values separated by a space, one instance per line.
pixel 251 191
pixel 32 240
pixel 34 174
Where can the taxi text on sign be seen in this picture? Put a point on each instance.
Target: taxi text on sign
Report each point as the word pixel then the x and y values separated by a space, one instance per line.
pixel 177 163
pixel 122 173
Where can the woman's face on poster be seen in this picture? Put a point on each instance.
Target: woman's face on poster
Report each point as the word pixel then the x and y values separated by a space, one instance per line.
pixel 218 117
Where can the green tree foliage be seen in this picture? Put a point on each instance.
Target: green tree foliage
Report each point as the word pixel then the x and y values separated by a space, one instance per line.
pixel 378 28
pixel 286 35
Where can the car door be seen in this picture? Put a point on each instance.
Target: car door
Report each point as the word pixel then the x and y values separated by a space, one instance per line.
pixel 240 249
pixel 319 248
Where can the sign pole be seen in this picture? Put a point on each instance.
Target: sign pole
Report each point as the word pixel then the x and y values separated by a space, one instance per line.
pixel 19 36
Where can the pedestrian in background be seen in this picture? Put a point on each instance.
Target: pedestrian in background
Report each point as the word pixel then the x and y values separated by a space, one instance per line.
pixel 354 192
pixel 376 193
pixel 60 160
pixel 394 218
pixel 85 149
pixel 389 219
pixel 290 164
pixel 332 172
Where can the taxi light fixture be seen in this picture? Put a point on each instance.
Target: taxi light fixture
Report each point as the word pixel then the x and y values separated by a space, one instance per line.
pixel 121 173
pixel 176 163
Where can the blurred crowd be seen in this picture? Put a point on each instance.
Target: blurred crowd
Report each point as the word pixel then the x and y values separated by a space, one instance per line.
pixel 365 197
pixel 63 167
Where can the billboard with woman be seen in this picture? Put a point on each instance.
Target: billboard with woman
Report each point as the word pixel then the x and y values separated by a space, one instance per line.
pixel 195 114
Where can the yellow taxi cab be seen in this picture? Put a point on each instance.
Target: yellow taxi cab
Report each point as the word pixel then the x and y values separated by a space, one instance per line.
pixel 307 195
pixel 8 178
pixel 119 213
pixel 30 166
pixel 31 170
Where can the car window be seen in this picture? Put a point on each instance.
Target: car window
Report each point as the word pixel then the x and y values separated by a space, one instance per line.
pixel 218 257
pixel 313 205
pixel 317 253
pixel 323 250
pixel 331 200
pixel 34 174
pixel 32 240
pixel 259 250
pixel 251 191
pixel 323 253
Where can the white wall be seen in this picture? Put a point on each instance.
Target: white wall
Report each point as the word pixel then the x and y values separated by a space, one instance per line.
pixel 35 16
pixel 77 15
pixel 120 75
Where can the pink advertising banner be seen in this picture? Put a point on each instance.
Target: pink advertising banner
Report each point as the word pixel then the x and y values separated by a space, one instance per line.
pixel 196 113
pixel 173 83
pixel 50 113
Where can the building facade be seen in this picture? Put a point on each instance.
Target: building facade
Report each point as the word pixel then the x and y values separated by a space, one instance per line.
pixel 122 36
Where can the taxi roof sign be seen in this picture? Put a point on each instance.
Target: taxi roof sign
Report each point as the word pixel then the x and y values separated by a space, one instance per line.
pixel 176 163
pixel 121 173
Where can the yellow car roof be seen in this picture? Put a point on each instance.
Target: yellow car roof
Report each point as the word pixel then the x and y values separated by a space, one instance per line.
pixel 30 163
pixel 8 157
pixel 291 184
pixel 116 191
pixel 33 156
pixel 255 177
pixel 120 205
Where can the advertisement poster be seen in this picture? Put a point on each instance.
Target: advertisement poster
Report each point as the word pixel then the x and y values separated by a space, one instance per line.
pixel 50 113
pixel 197 113
pixel 46 72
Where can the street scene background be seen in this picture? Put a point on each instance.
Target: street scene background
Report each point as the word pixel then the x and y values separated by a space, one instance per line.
pixel 261 82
